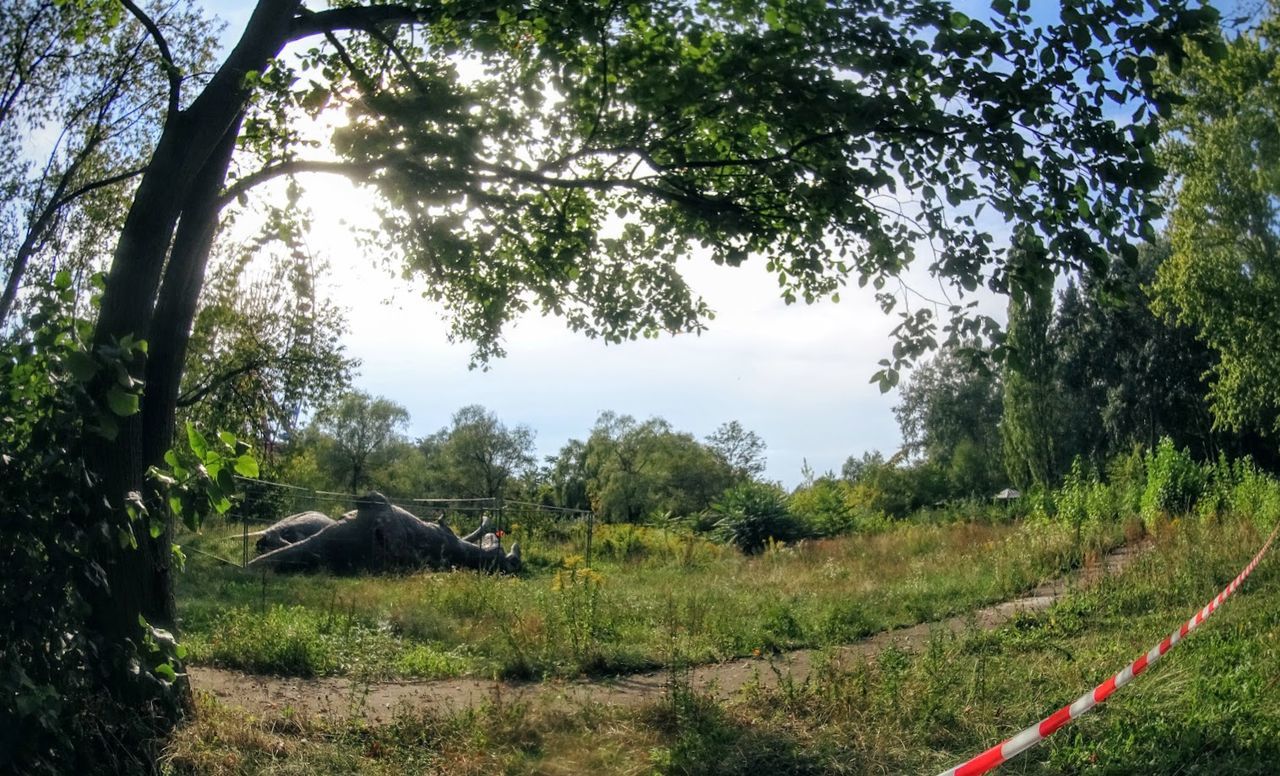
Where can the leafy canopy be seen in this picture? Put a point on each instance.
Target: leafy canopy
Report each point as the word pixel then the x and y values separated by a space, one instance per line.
pixel 1222 278
pixel 565 157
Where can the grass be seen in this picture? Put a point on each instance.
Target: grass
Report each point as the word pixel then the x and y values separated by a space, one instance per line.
pixel 1211 706
pixel 563 619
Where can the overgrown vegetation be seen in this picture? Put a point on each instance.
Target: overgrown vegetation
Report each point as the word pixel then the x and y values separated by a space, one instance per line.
pixel 564 619
pixel 1207 706
pixel 582 154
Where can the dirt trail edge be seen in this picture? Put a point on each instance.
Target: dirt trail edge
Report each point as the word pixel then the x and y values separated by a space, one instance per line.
pixel 378 701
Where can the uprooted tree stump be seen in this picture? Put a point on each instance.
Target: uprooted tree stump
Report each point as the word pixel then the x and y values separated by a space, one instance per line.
pixel 380 536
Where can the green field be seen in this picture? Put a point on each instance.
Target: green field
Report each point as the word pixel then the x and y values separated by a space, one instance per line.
pixel 560 618
pixel 1212 706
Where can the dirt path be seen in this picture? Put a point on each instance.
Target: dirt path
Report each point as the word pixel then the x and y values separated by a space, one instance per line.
pixel 377 702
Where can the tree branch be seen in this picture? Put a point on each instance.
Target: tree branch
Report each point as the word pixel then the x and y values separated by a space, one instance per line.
pixel 170 69
pixel 310 23
pixel 99 184
pixel 352 170
pixel 197 394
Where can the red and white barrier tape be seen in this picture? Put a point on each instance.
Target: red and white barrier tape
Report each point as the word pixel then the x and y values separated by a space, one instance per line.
pixel 1001 753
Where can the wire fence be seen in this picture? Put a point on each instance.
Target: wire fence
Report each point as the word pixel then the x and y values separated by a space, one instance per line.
pixel 263 503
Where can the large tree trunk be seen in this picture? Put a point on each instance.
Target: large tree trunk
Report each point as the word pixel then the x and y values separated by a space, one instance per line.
pixel 189 163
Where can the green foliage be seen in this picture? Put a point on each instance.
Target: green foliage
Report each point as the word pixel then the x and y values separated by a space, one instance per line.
pixel 1222 274
pixel 741 450
pixel 1083 498
pixel 358 430
pixel 1174 483
pixel 751 514
pixel 477 456
pixel 577 603
pixel 825 507
pixel 950 415
pixel 79 120
pixel 266 346
pixel 796 137
pixel 1127 475
pixel 1255 495
pixel 57 398
pixel 200 479
pixel 635 471
pixel 1125 375
pixel 1030 420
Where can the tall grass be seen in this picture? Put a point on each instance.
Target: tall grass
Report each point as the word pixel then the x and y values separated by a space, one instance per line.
pixel 1209 707
pixel 809 594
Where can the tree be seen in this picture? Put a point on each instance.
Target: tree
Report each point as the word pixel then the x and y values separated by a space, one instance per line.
pixel 1125 376
pixel 741 450
pixel 950 406
pixel 95 85
pixel 479 457
pixel 360 428
pixel 266 348
pixel 856 468
pixel 636 470
pixel 688 475
pixel 498 188
pixel 1029 425
pixel 621 472
pixel 1223 271
pixel 567 474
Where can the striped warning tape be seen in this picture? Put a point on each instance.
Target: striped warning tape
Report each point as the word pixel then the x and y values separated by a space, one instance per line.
pixel 1001 753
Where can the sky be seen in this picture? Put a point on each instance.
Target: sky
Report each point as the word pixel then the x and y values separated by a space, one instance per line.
pixel 798 375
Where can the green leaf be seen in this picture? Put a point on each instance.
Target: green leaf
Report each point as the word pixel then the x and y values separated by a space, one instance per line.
pixel 81 365
pixel 121 402
pixel 166 671
pixel 246 466
pixel 219 502
pixel 199 445
pixel 62 280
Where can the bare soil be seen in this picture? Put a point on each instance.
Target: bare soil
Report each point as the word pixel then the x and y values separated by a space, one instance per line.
pixel 377 702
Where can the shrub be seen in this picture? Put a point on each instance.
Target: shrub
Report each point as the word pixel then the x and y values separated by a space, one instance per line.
pixel 1174 482
pixel 1219 481
pixel 1127 474
pixel 824 507
pixel 752 513
pixel 1255 495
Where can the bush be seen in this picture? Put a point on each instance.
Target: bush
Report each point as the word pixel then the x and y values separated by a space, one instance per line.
pixel 1174 483
pixel 1255 495
pixel 1127 474
pixel 751 514
pixel 824 507
pixel 1220 480
pixel 1085 500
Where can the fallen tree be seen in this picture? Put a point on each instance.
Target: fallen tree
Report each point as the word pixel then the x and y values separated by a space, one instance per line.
pixel 380 536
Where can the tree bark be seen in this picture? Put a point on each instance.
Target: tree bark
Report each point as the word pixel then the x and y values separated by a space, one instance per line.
pixel 182 179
